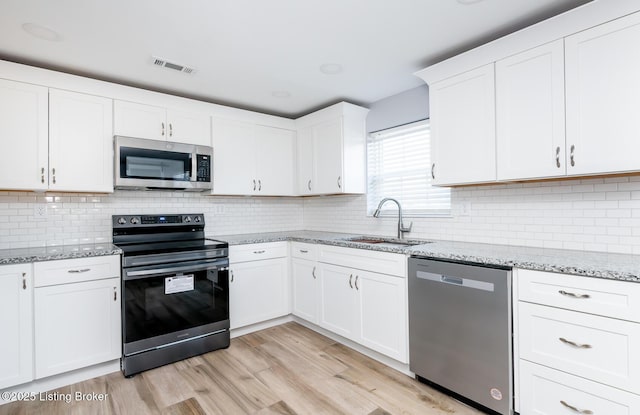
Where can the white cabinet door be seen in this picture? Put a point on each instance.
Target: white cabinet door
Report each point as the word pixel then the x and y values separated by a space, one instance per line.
pixel 233 157
pixel 327 151
pixel 16 317
pixel 139 120
pixel 463 128
pixel 305 289
pixel 383 313
pixel 80 142
pixel 23 136
pixel 305 162
pixel 603 97
pixel 189 127
pixel 275 160
pixel 338 300
pixel 530 113
pixel 258 291
pixel 77 325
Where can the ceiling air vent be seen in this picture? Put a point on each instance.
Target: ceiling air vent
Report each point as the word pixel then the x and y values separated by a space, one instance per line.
pixel 171 65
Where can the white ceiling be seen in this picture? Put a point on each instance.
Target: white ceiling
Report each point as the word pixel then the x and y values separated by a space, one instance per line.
pixel 245 50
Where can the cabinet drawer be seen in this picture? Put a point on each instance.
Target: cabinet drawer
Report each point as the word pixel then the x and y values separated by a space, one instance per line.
pixel 545 391
pixel 304 251
pixel 76 270
pixel 618 299
pixel 375 261
pixel 597 348
pixel 256 252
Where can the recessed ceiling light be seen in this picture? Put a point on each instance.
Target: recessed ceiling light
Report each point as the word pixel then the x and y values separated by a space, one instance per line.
pixel 331 68
pixel 468 2
pixel 41 32
pixel 281 94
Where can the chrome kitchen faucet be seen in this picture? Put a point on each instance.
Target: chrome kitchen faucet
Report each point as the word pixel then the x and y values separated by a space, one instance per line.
pixel 401 229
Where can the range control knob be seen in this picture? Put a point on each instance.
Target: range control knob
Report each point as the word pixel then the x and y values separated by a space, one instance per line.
pixel 197 219
pixel 122 221
pixel 187 219
pixel 135 221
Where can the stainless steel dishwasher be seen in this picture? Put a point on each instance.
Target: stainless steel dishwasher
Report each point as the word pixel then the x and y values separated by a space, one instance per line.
pixel 460 330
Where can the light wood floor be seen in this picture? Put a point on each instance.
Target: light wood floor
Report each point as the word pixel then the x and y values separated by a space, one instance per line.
pixel 287 369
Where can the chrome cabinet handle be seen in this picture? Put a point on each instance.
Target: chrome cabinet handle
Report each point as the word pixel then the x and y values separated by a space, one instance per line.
pixel 231 272
pixel 259 185
pixel 53 171
pixel 24 280
pixel 576 410
pixel 573 295
pixel 350 278
pixel 78 271
pixel 309 184
pixel 170 130
pixel 314 272
pixel 42 175
pixel 163 129
pixel 259 252
pixel 339 182
pixel 433 168
pixel 115 294
pixel 254 185
pixel 357 283
pixel 574 344
pixel 573 162
pixel 558 157
pixel 304 251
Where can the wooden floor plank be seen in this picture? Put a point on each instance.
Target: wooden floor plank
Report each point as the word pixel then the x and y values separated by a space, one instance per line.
pixel 287 370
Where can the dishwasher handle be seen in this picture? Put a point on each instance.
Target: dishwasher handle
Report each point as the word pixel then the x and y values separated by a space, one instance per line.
pixel 457 281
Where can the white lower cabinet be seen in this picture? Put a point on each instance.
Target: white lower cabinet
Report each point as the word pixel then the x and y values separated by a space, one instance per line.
pixel 304 277
pixel 76 313
pixel 258 287
pixel 339 311
pixel 16 317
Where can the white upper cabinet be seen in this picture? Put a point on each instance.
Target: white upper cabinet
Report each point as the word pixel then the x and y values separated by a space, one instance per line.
pixel 158 123
pixel 463 128
pixel 603 98
pixel 331 150
pixel 530 113
pixel 80 142
pixel 250 159
pixel 23 136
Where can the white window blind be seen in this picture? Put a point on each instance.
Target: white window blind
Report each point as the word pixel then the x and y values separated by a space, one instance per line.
pixel 399 166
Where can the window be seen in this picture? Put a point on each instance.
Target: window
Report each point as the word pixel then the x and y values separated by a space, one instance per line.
pixel 399 166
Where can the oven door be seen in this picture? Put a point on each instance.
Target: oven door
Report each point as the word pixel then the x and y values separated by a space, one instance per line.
pixel 169 303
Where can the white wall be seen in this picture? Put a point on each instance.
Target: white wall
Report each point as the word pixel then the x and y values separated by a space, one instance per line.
pixel 73 218
pixel 399 109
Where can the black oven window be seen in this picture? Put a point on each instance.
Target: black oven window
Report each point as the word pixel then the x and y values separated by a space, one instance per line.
pixel 151 312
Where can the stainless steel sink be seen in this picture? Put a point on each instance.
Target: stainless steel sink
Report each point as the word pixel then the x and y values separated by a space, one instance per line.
pixel 400 243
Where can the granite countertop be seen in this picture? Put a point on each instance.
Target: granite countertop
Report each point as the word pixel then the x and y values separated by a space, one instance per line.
pixel 590 264
pixel 50 253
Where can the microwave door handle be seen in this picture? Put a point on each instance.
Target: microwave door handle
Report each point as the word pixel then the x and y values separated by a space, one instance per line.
pixel 145 273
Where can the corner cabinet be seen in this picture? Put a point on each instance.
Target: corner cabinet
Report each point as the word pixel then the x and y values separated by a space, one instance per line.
pixel 463 128
pixel 258 283
pixel 16 317
pixel 77 313
pixel 332 150
pixel 24 134
pixel 603 97
pixel 252 159
pixel 133 119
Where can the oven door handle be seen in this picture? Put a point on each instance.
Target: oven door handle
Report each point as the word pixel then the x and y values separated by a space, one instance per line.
pixel 150 272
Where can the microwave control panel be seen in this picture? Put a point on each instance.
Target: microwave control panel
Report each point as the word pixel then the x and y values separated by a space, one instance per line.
pixel 204 168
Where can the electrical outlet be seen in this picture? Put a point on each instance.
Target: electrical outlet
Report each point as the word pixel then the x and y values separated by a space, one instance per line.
pixel 466 207
pixel 40 211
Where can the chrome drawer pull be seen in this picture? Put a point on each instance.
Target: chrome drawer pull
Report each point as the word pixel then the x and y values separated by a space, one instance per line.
pixel 574 344
pixel 78 271
pixel 573 295
pixel 304 251
pixel 576 410
pixel 259 252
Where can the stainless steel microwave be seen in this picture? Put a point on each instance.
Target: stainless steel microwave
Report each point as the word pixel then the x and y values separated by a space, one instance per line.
pixel 155 164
